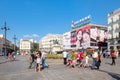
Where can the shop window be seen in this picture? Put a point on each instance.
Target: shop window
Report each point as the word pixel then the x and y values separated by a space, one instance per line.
pixel 111 47
pixel 102 44
pixel 119 34
pixel 93 44
pixel 118 41
pixel 119 17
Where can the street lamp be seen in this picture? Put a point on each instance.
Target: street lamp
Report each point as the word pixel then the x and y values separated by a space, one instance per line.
pixel 50 46
pixel 14 43
pixel 5 29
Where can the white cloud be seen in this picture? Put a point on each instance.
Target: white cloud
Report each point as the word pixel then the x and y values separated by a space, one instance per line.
pixel 26 36
pixel 31 36
pixel 35 35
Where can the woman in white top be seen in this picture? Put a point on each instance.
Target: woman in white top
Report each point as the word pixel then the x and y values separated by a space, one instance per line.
pixel 38 61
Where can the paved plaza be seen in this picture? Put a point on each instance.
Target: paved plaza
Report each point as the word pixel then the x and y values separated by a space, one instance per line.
pixel 18 70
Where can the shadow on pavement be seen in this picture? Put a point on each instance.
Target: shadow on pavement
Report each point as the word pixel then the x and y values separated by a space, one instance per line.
pixel 8 61
pixel 108 63
pixel 114 75
pixel 3 62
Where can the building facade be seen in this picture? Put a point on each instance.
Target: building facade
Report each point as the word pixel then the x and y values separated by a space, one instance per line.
pixel 51 43
pixel 87 36
pixel 66 40
pixel 9 45
pixel 114 30
pixel 27 45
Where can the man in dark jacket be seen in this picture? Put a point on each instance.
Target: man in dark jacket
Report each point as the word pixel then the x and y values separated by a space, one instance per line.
pixel 31 58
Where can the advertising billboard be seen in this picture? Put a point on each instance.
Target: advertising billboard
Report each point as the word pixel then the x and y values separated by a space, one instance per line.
pixel 73 39
pixel 66 40
pixel 83 37
pixel 98 35
pixel 86 36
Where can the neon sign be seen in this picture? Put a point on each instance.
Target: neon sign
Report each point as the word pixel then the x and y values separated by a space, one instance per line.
pixel 81 22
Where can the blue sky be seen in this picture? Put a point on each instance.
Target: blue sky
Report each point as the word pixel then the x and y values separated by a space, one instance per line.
pixel 36 18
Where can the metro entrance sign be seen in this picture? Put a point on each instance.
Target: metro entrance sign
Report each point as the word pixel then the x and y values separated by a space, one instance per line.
pixel 81 22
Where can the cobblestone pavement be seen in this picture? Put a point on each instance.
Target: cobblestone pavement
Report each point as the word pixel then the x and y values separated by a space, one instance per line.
pixel 18 70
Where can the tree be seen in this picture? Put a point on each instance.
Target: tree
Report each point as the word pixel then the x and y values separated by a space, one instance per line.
pixel 33 50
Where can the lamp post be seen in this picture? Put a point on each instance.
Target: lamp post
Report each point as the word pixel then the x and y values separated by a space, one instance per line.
pixel 14 43
pixel 5 30
pixel 50 46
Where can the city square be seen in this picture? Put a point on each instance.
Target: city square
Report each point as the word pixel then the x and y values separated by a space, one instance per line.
pixel 18 70
pixel 59 40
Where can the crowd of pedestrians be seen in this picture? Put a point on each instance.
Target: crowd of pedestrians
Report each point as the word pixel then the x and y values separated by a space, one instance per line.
pixel 82 59
pixel 10 56
pixel 73 59
pixel 38 60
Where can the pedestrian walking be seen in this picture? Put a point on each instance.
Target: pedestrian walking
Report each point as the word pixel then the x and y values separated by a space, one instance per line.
pixel 98 61
pixel 65 57
pixel 69 60
pixel 31 59
pixel 113 56
pixel 43 57
pixel 94 57
pixel 38 61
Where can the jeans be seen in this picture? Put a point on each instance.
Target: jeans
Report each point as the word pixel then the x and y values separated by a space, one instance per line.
pixel 94 62
pixel 65 61
pixel 113 60
pixel 30 64
pixel 44 64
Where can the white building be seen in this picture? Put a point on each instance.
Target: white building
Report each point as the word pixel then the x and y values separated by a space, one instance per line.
pixel 9 45
pixel 66 41
pixel 114 29
pixel 51 43
pixel 27 45
pixel 1 44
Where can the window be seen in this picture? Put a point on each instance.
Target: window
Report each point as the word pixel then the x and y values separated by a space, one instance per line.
pixel 114 27
pixel 110 20
pixel 93 44
pixel 110 36
pixel 119 17
pixel 109 28
pixel 119 34
pixel 114 18
pixel 117 26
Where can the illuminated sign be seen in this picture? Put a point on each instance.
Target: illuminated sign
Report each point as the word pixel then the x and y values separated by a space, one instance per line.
pixel 81 22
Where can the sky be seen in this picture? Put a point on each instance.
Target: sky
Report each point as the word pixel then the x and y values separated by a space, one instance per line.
pixel 34 19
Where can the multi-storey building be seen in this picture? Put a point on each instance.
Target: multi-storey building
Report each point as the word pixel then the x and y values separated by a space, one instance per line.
pixel 9 45
pixel 27 45
pixel 87 36
pixel 51 43
pixel 66 40
pixel 114 29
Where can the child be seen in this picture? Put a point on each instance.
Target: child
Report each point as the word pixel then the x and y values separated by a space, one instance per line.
pixel 74 61
pixel 86 61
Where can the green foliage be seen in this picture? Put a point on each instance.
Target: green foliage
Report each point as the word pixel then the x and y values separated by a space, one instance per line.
pixel 34 50
pixel 54 56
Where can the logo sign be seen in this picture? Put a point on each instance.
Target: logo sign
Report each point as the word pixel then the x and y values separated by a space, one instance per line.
pixel 81 22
